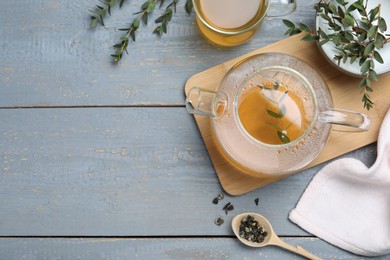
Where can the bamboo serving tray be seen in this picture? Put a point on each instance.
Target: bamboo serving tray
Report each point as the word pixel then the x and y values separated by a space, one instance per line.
pixel 345 93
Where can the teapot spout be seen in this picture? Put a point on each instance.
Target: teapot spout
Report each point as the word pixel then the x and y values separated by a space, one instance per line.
pixel 206 103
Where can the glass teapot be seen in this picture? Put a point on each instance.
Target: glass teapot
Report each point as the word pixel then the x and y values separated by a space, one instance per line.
pixel 271 114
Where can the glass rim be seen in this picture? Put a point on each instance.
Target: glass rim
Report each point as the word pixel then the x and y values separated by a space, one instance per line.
pixel 228 32
pixel 306 83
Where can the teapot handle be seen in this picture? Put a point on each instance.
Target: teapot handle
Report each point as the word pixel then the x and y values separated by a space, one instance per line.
pixel 206 103
pixel 353 121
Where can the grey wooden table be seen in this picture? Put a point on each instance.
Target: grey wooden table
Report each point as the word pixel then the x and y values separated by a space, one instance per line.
pixel 102 161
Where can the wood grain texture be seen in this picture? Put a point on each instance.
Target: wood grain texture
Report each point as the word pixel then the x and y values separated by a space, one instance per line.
pixel 50 57
pixel 138 169
pixel 345 96
pixel 169 249
pixel 122 172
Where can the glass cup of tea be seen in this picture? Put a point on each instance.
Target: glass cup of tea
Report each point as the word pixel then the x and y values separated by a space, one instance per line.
pixel 271 114
pixel 233 22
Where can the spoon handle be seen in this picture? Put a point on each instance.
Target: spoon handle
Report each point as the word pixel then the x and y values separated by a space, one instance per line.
pixel 296 249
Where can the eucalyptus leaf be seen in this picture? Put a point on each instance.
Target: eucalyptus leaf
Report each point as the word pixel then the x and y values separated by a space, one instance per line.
pixel 288 23
pixel 382 24
pixel 378 57
pixel 273 114
pixel 283 137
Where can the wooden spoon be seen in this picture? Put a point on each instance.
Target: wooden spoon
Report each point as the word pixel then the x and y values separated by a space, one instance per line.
pixel 270 239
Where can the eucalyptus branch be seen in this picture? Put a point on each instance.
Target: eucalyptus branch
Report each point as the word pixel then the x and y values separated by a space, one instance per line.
pixel 100 11
pixel 356 40
pixel 165 18
pixel 146 9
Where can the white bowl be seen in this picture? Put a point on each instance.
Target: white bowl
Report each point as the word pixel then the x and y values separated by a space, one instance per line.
pixel 330 50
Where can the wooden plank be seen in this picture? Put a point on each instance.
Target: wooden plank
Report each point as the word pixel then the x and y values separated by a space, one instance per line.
pixel 158 248
pixel 50 57
pixel 122 172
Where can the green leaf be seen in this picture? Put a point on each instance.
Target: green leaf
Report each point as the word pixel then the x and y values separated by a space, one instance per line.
pixel 348 21
pixel 159 19
pixel 362 83
pixel 349 36
pixel 324 42
pixel 365 67
pixel 380 41
pixel 358 6
pixel 378 57
pixel 288 23
pixel 382 24
pixel 145 19
pixel 373 75
pixel 332 8
pixel 368 84
pixel 367 101
pixel 310 37
pixel 372 31
pixel 135 23
pixel 336 39
pixel 353 59
pixel 321 33
pixel 373 13
pixel 283 137
pixel 94 23
pixel 370 47
pixel 362 37
pixel 304 27
pixel 340 12
pixel 145 5
pixel 132 35
pixel 273 114
pixel 189 6
pixel 150 7
pixel 351 8
pixel 164 28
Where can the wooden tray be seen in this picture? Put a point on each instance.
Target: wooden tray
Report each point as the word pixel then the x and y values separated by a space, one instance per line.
pixel 345 94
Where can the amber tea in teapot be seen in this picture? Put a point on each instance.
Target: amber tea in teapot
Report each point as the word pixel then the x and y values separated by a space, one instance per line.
pixel 271 113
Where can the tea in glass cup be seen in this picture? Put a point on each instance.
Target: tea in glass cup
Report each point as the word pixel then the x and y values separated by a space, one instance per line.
pixel 233 22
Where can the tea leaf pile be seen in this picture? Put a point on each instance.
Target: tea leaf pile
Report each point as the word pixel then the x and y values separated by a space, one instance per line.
pixel 357 40
pixel 100 11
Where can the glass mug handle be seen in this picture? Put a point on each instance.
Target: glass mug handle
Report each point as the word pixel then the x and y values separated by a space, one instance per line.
pixel 281 7
pixel 350 120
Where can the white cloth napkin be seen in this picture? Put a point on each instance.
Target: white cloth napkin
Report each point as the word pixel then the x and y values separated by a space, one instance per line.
pixel 348 204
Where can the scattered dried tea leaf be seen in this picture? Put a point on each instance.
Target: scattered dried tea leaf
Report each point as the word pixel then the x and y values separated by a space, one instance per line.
pixel 228 207
pixel 219 221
